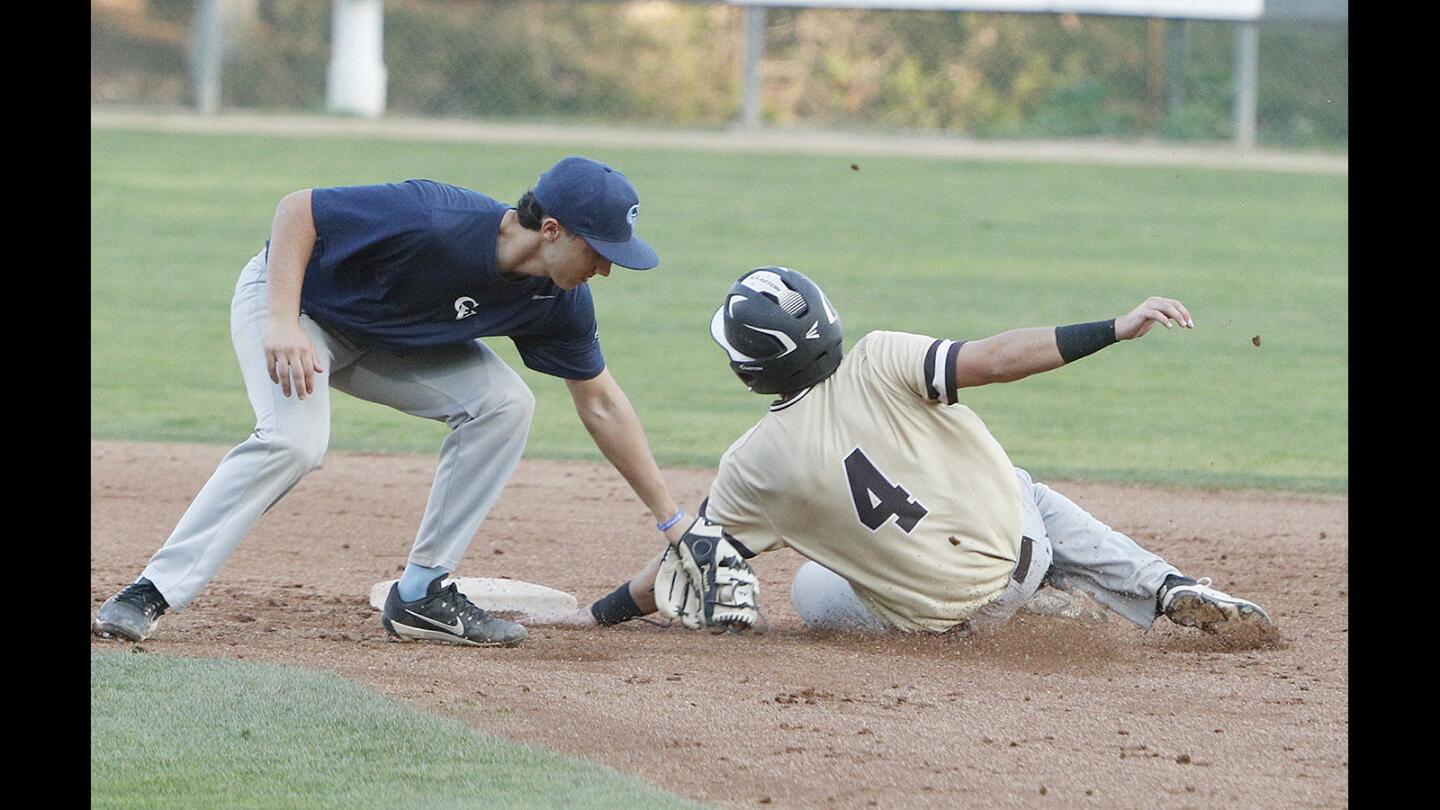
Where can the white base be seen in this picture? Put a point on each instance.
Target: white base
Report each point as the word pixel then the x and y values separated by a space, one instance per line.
pixel 495 595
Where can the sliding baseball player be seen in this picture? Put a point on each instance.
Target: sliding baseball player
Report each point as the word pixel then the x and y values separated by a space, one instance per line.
pixel 911 514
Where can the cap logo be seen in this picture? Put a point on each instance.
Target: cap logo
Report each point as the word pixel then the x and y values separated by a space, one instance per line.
pixel 592 200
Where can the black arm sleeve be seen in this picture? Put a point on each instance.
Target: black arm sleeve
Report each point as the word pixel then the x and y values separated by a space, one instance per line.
pixel 1077 340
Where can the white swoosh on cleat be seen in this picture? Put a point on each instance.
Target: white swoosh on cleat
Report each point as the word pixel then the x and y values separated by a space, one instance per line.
pixel 458 628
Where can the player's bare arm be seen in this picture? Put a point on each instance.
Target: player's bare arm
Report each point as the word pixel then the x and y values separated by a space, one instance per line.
pixel 1007 357
pixel 642 585
pixel 611 420
pixel 288 350
pixel 1019 353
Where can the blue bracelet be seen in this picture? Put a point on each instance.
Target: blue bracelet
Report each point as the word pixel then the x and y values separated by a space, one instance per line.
pixel 676 518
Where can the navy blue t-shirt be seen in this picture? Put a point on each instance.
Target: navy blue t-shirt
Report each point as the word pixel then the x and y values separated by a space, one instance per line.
pixel 411 265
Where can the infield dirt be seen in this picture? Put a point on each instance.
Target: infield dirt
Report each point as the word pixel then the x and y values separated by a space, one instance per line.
pixel 1044 711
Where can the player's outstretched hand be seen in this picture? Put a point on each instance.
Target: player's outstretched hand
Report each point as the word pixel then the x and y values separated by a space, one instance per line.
pixel 1154 310
pixel 578 617
pixel 290 352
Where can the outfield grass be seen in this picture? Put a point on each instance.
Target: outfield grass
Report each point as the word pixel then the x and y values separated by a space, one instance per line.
pixel 228 733
pixel 935 246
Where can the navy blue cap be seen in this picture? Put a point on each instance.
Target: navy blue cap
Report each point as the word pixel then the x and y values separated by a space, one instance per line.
pixel 598 203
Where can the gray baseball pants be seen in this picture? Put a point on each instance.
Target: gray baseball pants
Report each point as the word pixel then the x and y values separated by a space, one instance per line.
pixel 485 403
pixel 1109 566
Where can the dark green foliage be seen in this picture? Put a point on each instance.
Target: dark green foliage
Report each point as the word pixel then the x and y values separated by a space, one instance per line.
pixel 1080 109
pixel 282 61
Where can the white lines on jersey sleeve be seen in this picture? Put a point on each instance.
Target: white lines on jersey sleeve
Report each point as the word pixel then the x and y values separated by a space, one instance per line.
pixel 951 352
pixel 935 369
pixel 940 371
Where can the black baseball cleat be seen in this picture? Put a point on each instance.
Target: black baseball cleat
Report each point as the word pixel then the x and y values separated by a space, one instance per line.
pixel 448 616
pixel 1193 603
pixel 132 613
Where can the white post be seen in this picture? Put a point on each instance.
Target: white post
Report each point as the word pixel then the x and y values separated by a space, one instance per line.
pixel 355 81
pixel 1176 59
pixel 754 52
pixel 206 56
pixel 1247 62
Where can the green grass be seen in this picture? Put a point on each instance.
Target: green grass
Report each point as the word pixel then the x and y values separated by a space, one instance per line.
pixel 177 732
pixel 934 246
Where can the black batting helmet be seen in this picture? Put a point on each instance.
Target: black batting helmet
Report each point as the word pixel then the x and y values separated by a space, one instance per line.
pixel 779 329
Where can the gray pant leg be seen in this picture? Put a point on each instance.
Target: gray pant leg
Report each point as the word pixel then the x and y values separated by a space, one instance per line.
pixel 488 408
pixel 289 441
pixel 1018 591
pixel 1101 561
pixel 825 601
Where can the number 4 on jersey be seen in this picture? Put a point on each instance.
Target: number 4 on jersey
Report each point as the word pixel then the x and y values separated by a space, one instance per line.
pixel 876 499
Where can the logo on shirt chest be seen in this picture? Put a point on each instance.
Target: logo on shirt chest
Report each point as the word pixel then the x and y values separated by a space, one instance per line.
pixel 464 307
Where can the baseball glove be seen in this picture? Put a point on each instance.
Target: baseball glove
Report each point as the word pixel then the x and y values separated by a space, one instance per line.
pixel 704 582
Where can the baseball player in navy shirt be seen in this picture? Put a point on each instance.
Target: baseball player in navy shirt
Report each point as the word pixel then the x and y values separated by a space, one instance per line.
pixel 382 292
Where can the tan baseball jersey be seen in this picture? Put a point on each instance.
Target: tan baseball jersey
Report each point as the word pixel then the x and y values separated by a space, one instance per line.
pixel 879 475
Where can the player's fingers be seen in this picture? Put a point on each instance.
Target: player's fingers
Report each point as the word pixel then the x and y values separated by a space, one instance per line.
pixel 270 360
pixel 1189 322
pixel 1170 310
pixel 1158 316
pixel 282 374
pixel 305 372
pixel 1177 310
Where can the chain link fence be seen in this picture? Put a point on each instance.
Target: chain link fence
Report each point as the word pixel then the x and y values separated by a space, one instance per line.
pixel 679 64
